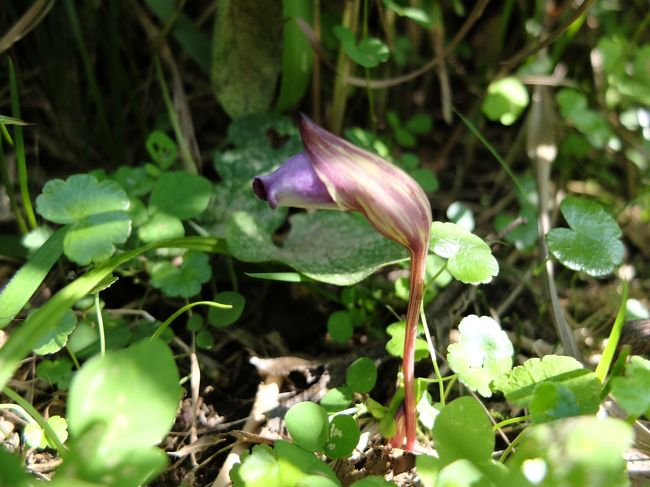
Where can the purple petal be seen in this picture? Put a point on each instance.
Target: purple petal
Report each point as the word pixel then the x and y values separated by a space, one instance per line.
pixel 358 180
pixel 294 183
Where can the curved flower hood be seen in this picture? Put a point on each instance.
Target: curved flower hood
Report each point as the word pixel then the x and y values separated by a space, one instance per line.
pixel 335 174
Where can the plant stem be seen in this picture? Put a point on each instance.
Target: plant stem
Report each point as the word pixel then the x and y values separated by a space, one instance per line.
pixel 416 292
pixel 100 325
pixel 434 358
pixel 36 417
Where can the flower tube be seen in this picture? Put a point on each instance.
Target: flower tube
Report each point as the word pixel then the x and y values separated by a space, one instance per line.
pixel 335 174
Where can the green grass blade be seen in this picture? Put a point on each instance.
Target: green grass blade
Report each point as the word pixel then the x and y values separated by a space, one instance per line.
pixel 6 181
pixel 614 336
pixel 20 149
pixel 91 79
pixel 493 151
pixel 39 323
pixel 188 163
pixel 25 282
pixel 163 326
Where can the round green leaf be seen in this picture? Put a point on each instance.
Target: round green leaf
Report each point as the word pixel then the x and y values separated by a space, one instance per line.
pixel 57 371
pixel 57 337
pixel 296 463
pixel 337 399
pixel 317 481
pixel 506 99
pixel 92 239
pixel 11 470
pixel 469 258
pixel 339 326
pixel 185 280
pixel 260 469
pixel 373 481
pixel 159 227
pixel 180 194
pixel 78 197
pixel 308 426
pixel 633 391
pixel 343 436
pixel 135 180
pixel 463 430
pixel 223 317
pixel 134 392
pixel 552 401
pixel 592 244
pixel 361 375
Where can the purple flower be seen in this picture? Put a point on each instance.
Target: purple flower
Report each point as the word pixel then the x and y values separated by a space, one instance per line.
pixel 335 174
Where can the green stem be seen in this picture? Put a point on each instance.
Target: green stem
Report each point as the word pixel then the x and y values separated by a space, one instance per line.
pixel 100 325
pixel 180 311
pixel 614 336
pixel 188 163
pixel 432 353
pixel 43 320
pixel 511 447
pixel 509 421
pixel 20 150
pixel 52 438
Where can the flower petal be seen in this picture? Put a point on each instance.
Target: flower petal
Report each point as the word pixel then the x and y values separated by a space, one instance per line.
pixel 294 183
pixel 358 180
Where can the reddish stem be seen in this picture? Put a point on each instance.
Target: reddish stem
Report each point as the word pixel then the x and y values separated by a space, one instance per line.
pixel 416 290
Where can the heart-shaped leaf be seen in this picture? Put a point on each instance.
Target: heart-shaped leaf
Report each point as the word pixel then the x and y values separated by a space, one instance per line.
pixel 592 244
pixel 632 391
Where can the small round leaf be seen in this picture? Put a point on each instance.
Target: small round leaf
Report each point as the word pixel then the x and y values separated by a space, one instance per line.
pixel 308 426
pixel 221 317
pixel 343 436
pixel 361 375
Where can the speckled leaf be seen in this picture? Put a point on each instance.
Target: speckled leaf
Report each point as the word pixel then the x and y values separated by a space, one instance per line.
pixel 246 54
pixel 592 244
pixel 338 248
pixel 253 153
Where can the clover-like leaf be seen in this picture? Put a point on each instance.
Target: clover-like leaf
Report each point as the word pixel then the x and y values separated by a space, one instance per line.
pixel 57 337
pixel 78 197
pixel 361 375
pixel 505 101
pixel 469 257
pixel 633 390
pixel 57 371
pixel 93 239
pixel 369 52
pixel 184 280
pixel 483 353
pixel 180 194
pixel 592 244
pixel 395 345
pixel 95 211
pixel 519 385
pixel 35 436
pixel 162 149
